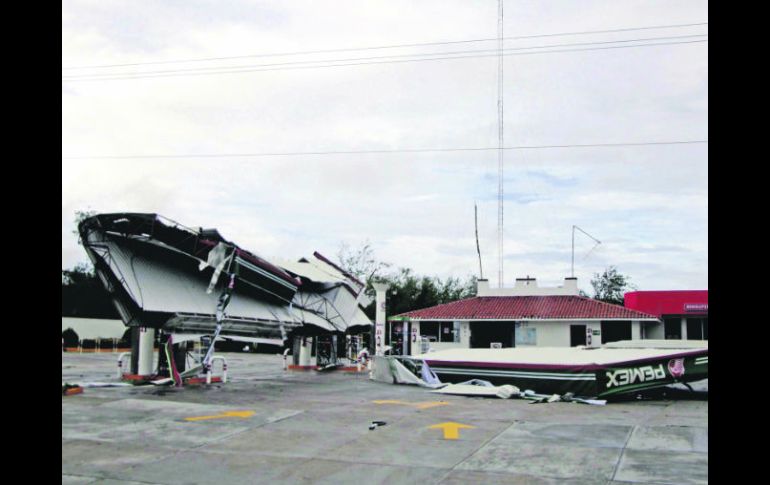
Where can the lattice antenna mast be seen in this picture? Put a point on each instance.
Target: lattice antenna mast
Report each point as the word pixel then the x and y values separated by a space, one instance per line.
pixel 500 142
pixel 573 245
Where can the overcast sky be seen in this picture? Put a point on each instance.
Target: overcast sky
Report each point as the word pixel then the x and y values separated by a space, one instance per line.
pixel 647 204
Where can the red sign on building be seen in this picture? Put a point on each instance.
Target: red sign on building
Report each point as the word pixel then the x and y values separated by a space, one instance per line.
pixel 659 303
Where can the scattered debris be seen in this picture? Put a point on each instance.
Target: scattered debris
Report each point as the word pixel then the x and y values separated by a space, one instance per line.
pixel 567 397
pixel 102 384
pixel 70 389
pixel 401 370
pixel 479 387
pixel 375 424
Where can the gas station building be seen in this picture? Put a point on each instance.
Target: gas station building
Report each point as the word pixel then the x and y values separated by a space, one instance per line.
pixel 524 315
pixel 684 313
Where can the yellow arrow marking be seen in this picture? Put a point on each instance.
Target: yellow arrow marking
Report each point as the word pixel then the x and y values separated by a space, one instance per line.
pixel 451 429
pixel 418 405
pixel 226 414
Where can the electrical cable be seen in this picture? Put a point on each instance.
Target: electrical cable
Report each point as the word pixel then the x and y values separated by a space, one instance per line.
pixel 394 46
pixel 200 72
pixel 360 152
pixel 425 54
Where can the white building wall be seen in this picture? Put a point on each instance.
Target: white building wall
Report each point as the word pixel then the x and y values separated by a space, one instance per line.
pixel 528 287
pixel 552 334
pixel 446 345
pixel 416 331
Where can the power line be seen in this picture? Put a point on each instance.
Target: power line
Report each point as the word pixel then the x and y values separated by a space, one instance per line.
pixel 425 54
pixel 185 73
pixel 401 150
pixel 393 46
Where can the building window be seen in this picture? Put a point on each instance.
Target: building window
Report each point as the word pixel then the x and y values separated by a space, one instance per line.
pixel 672 327
pixel 429 330
pixel 525 334
pixel 440 331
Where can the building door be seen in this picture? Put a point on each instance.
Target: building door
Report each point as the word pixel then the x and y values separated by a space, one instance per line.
pixel 577 335
pixel 697 329
pixel 614 331
pixel 484 334
pixel 673 328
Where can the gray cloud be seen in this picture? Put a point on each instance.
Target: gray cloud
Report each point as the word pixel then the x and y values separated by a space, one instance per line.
pixel 416 208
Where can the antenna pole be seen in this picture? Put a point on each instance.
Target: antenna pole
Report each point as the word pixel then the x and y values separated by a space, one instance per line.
pixel 573 250
pixel 573 245
pixel 478 248
pixel 500 232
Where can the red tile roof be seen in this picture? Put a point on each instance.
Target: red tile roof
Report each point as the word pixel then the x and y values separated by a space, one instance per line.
pixel 526 307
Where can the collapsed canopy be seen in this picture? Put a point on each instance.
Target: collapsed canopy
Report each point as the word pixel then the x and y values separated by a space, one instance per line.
pixel 162 274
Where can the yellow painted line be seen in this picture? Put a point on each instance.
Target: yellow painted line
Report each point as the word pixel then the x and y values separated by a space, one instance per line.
pixel 451 429
pixel 427 405
pixel 226 414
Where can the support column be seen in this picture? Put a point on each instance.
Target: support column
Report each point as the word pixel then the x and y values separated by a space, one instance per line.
pixel 465 335
pixel 684 328
pixel 305 349
pixel 636 330
pixel 379 334
pixel 145 354
pixel 417 342
pixel 133 367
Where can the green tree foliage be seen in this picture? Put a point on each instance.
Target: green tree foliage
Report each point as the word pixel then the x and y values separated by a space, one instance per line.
pixel 408 291
pixel 80 216
pixel 411 292
pixel 610 286
pixel 82 294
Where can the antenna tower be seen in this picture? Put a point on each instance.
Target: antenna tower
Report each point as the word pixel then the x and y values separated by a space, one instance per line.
pixel 500 142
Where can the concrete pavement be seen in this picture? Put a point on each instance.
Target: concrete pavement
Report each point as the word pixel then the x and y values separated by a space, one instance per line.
pixel 309 427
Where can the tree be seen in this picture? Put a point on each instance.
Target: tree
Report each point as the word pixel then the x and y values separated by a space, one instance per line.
pixel 82 294
pixel 408 291
pixel 80 216
pixel 610 286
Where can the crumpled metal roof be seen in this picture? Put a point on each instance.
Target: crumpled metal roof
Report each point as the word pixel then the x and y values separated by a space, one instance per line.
pixel 156 265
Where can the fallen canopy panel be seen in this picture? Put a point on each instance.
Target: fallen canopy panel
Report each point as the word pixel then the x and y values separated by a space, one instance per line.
pixel 584 372
pixel 330 292
pixel 163 275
